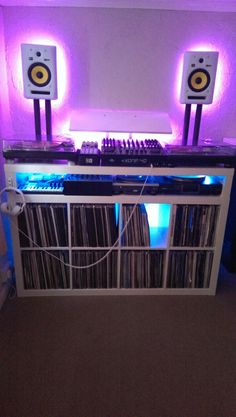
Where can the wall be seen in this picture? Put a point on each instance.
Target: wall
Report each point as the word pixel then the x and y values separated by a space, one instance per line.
pixel 4 98
pixel 122 59
pixel 4 123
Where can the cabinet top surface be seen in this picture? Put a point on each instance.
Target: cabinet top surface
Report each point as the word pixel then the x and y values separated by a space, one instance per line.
pixel 116 170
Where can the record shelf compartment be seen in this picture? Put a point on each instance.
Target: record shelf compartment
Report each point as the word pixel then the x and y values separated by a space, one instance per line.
pixel 172 244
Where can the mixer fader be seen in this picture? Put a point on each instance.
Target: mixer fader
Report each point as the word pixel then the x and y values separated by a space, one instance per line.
pixel 130 152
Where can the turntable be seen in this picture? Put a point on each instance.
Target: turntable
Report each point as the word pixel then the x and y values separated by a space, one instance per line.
pixel 58 149
pixel 200 155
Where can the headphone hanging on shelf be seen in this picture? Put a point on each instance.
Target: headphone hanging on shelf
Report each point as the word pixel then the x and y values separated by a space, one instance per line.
pixel 18 208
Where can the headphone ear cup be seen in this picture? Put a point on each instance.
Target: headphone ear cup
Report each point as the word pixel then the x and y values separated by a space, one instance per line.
pixel 7 208
pixel 15 211
pixel 4 208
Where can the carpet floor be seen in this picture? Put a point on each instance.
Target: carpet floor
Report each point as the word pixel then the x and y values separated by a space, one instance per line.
pixel 113 356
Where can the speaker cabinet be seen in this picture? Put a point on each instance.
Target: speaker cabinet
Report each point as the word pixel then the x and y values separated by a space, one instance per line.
pixel 198 80
pixel 39 71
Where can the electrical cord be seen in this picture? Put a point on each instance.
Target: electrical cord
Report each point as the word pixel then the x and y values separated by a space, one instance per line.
pixel 107 253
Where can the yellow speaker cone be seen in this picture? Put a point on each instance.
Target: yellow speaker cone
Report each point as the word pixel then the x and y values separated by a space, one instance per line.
pixel 199 80
pixel 39 74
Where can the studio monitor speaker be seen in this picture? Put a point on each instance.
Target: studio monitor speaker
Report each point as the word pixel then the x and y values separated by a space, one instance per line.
pixel 39 71
pixel 198 80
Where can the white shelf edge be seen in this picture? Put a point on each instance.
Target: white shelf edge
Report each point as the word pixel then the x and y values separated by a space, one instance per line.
pixel 173 5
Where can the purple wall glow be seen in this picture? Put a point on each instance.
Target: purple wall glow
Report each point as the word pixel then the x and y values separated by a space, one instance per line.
pixel 4 96
pixel 122 59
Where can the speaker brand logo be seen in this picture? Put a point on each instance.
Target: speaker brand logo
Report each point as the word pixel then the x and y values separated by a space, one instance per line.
pixel 39 71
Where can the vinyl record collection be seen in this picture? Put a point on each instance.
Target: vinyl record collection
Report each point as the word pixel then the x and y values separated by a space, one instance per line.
pixel 189 269
pixel 102 275
pixel 96 226
pixel 93 226
pixel 45 224
pixel 194 225
pixel 137 232
pixel 42 271
pixel 142 269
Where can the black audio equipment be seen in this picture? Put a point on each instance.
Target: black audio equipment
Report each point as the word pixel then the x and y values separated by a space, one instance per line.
pixel 89 154
pixel 59 149
pixel 107 185
pixel 130 152
pixel 88 185
pixel 160 185
pixel 201 156
pixel 120 153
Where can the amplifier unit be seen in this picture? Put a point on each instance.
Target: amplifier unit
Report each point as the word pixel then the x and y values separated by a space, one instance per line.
pixel 88 185
pixel 165 186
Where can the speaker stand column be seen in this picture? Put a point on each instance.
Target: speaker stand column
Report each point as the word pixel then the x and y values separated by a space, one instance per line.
pixel 37 122
pixel 48 114
pixel 197 124
pixel 186 124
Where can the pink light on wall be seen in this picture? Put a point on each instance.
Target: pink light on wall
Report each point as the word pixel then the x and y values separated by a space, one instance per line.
pixel 62 72
pixel 222 74
pixel 4 98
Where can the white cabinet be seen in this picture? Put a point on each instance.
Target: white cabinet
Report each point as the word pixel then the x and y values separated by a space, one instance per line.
pixel 172 244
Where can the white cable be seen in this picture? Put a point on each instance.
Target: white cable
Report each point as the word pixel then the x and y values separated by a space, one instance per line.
pixel 107 253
